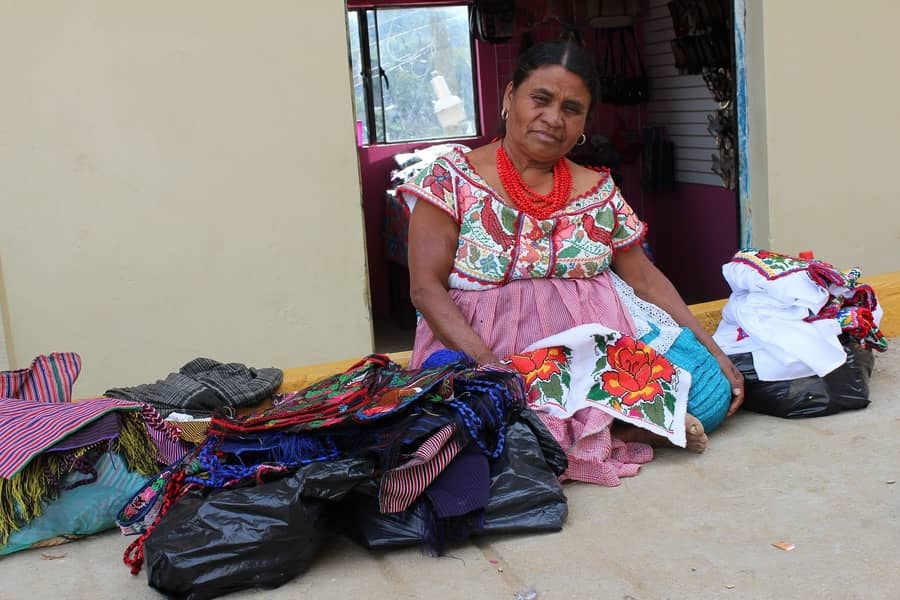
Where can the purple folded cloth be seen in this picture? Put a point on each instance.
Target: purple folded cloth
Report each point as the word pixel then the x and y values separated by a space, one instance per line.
pixel 463 486
pixel 458 498
pixel 103 429
pixel 28 428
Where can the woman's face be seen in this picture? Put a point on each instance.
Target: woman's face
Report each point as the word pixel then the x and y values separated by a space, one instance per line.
pixel 547 112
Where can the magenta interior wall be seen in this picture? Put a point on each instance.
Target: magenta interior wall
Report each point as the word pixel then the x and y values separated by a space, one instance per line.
pixel 377 162
pixel 693 231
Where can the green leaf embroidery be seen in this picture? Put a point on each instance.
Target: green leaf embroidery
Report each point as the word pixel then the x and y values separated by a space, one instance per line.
pixel 606 219
pixel 508 219
pixel 654 411
pixel 603 340
pixel 668 400
pixel 597 393
pixel 552 389
pixel 570 252
pixel 474 253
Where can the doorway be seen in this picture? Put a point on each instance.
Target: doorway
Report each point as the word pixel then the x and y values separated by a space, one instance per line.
pixel 687 194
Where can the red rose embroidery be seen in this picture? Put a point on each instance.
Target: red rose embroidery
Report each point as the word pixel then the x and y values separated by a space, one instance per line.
pixel 637 371
pixel 540 364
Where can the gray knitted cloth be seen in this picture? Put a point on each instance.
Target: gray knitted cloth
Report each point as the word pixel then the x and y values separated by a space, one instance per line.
pixel 202 386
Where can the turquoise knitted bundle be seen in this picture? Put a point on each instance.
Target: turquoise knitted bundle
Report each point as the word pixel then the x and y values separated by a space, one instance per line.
pixel 710 393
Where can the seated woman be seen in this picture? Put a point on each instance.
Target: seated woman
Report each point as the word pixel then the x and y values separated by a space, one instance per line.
pixel 512 242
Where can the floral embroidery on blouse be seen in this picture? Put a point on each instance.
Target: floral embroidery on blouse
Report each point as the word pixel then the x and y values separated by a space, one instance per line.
pixel 498 243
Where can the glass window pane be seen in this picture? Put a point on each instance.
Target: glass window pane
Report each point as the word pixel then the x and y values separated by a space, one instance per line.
pixel 427 60
pixel 376 79
pixel 356 71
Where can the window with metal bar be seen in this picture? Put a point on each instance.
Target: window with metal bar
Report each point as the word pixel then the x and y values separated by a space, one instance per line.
pixel 413 75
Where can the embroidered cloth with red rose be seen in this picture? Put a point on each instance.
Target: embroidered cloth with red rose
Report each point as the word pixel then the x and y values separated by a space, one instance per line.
pixel 594 366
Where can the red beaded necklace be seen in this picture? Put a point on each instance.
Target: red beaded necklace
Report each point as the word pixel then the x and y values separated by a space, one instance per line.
pixel 540 206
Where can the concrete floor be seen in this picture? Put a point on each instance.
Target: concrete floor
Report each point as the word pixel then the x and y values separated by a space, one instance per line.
pixel 686 527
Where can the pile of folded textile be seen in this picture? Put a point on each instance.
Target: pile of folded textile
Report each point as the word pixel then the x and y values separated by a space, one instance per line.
pixel 388 456
pixel 67 468
pixel 802 333
pixel 790 314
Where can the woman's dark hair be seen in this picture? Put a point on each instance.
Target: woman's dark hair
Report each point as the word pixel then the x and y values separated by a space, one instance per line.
pixel 568 54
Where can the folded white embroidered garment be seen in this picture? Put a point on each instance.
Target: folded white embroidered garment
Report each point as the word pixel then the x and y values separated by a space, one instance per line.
pixel 594 366
pixel 792 288
pixel 784 346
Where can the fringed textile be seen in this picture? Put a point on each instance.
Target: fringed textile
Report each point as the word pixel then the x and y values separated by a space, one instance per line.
pixel 155 421
pixel 23 496
pixel 134 444
pixel 102 430
pixel 458 498
pixel 484 396
pixel 28 428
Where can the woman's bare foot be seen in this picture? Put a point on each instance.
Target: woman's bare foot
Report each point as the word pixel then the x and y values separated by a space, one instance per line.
pixel 693 430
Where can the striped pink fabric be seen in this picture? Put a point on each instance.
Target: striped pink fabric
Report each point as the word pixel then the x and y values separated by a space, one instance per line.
pixel 510 317
pixel 27 428
pixel 595 455
pixel 155 422
pixel 401 486
pixel 50 378
pixel 168 451
pixel 166 436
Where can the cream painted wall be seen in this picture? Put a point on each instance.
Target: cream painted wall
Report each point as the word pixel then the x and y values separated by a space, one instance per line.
pixel 179 179
pixel 828 88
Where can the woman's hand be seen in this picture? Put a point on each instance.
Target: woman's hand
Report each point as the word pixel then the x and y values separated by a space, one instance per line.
pixel 735 378
pixel 487 358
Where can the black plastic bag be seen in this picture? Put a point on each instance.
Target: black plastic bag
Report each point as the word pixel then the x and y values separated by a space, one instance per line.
pixel 525 494
pixel 845 388
pixel 259 536
pixel 365 525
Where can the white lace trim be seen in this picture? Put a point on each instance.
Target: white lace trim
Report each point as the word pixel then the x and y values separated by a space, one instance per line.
pixel 643 313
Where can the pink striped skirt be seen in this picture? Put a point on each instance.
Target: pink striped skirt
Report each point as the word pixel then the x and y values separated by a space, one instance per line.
pixel 510 317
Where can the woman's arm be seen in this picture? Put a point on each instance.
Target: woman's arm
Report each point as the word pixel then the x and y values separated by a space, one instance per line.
pixel 632 265
pixel 432 247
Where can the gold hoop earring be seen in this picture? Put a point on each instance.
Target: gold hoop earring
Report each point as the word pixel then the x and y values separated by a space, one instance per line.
pixel 581 140
pixel 504 114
